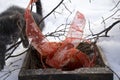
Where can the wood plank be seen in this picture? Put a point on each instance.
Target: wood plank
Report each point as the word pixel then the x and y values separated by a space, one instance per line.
pixel 78 74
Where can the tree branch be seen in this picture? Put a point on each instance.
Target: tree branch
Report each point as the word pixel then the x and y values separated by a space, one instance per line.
pixel 51 11
pixel 107 29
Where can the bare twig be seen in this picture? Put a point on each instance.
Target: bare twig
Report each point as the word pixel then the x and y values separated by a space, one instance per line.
pixel 113 71
pixel 111 15
pixel 98 35
pixel 14 62
pixel 57 12
pixel 7 74
pixel 15 47
pixel 67 21
pixel 56 33
pixel 104 22
pixel 67 8
pixel 90 28
pixel 51 11
pixel 115 5
pixel 19 53
pixel 108 29
pixel 59 32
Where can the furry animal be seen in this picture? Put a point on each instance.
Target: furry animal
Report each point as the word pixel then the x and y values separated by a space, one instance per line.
pixel 12 27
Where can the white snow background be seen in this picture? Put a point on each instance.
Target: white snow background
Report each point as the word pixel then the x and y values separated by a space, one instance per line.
pixel 93 12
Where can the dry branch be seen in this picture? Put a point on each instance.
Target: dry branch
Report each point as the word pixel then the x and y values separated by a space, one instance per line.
pixel 51 11
pixel 107 29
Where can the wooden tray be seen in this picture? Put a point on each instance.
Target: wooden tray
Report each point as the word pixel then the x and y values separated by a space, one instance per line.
pixel 30 72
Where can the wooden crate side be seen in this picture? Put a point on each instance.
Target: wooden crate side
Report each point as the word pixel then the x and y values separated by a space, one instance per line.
pixel 25 64
pixel 96 73
pixel 79 74
pixel 102 55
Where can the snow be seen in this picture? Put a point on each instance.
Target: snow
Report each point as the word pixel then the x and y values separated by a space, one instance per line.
pixel 93 12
